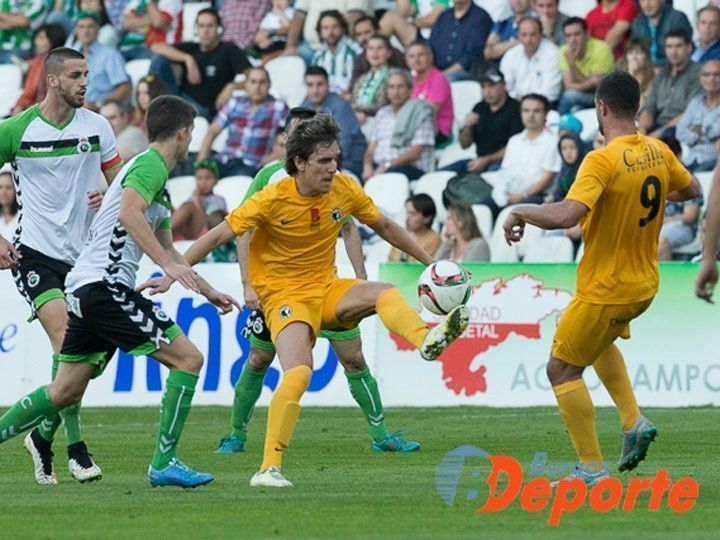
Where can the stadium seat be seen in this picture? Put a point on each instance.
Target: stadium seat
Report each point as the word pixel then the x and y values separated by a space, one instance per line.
pixel 287 79
pixel 11 87
pixel 588 117
pixel 198 134
pixel 233 189
pixel 180 189
pixel 190 11
pixel 376 252
pixel 136 70
pixel 500 251
pixel 552 120
pixel 389 191
pixel 182 245
pixel 549 249
pixel 577 8
pixel 689 8
pixel 218 144
pixel 465 95
pixel 453 153
pixel 484 218
pixel 705 179
pixel 433 184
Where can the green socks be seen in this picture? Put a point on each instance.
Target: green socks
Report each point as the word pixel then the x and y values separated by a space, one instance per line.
pixel 363 388
pixel 26 413
pixel 174 409
pixel 247 392
pixel 70 418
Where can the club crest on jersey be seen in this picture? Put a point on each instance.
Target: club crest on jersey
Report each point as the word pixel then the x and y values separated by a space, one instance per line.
pixel 285 312
pixel 32 279
pixel 336 215
pixel 160 314
pixel 84 146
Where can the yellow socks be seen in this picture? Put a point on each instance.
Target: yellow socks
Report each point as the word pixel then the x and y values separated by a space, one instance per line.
pixel 577 411
pixel 610 368
pixel 283 414
pixel 398 316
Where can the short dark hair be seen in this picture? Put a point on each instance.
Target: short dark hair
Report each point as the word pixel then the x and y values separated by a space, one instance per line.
pixel 709 7
pixel 298 113
pixel 575 20
pixel 54 32
pixel 122 106
pixel 679 33
pixel 532 19
pixel 620 91
pixel 423 203
pixel 419 43
pixel 55 60
pixel 322 130
pixel 317 70
pixel 335 14
pixel 537 97
pixel 209 11
pixel 365 18
pixel 382 38
pixel 166 115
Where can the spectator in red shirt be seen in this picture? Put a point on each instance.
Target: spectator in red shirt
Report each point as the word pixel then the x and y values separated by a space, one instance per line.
pixel 610 21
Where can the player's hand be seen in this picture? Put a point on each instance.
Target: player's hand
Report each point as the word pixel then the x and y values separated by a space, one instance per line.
pixel 514 228
pixel 95 199
pixel 156 285
pixel 224 302
pixel 9 255
pixel 706 280
pixel 252 300
pixel 184 275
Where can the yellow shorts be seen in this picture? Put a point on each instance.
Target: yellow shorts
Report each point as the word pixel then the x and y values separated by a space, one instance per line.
pixel 315 306
pixel 586 330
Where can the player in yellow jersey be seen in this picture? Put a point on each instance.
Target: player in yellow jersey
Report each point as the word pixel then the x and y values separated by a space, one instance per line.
pixel 619 198
pixel 292 269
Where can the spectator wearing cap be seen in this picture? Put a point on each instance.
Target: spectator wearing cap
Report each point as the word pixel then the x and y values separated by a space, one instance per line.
pixel 583 62
pixel 552 20
pixel 707 46
pixel 504 34
pixel 431 85
pixel 654 23
pixel 458 38
pixel 532 64
pixel 489 126
pixel 337 52
pixel 252 121
pixel 107 79
pixel 321 99
pixel 190 219
pixel 569 123
pixel 403 135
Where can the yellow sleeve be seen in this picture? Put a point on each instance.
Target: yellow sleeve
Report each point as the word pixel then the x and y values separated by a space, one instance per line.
pixel 562 61
pixel 363 207
pixel 249 214
pixel 680 177
pixel 591 179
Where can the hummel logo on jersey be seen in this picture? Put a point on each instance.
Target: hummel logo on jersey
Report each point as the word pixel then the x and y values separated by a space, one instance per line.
pixel 42 148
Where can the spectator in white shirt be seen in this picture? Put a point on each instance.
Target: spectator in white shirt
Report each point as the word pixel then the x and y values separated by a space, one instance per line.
pixel 531 158
pixel 532 64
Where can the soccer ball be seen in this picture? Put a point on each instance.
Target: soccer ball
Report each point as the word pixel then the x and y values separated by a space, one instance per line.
pixel 443 286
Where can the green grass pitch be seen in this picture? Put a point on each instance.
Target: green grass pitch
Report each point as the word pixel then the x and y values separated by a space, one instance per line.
pixel 343 489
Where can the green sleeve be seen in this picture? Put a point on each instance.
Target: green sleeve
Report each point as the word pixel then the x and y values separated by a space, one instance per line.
pixel 261 179
pixel 147 178
pixel 11 132
pixel 166 223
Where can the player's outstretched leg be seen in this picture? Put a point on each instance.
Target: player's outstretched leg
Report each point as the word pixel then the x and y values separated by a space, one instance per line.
pixel 399 317
pixel 364 389
pixel 638 431
pixel 185 362
pixel 578 414
pixel 247 391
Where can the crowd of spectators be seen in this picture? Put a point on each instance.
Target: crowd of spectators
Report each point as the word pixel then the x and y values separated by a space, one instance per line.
pixel 387 77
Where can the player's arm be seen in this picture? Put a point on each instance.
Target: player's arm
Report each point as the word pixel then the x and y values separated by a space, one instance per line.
pixel 692 191
pixel 252 300
pixel 562 215
pixel 396 236
pixel 132 218
pixel 708 275
pixel 353 246
pixel 223 301
pixel 295 33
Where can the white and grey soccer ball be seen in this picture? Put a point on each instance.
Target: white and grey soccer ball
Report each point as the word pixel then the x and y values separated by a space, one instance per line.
pixel 443 286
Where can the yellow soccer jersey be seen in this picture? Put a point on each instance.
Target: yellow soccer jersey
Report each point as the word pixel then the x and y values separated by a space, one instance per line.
pixel 624 185
pixel 293 245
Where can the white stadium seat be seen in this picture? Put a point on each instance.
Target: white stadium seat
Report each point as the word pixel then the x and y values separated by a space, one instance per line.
pixel 11 87
pixel 549 249
pixel 218 144
pixel 454 152
pixel 198 134
pixel 389 191
pixel 705 179
pixel 376 252
pixel 433 184
pixel 287 79
pixel 577 8
pixel 233 189
pixel 465 95
pixel 484 218
pixel 588 117
pixel 136 70
pixel 190 11
pixel 180 189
